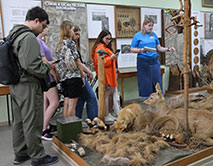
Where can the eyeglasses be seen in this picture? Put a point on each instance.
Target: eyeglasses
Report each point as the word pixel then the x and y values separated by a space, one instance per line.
pixel 108 38
pixel 44 25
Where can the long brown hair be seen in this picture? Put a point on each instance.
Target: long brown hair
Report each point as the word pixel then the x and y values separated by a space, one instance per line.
pixel 146 21
pixel 65 33
pixel 76 29
pixel 100 40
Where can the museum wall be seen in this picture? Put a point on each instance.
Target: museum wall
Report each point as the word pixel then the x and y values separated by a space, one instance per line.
pixel 164 4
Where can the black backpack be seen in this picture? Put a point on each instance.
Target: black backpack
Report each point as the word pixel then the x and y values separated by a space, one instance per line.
pixel 10 69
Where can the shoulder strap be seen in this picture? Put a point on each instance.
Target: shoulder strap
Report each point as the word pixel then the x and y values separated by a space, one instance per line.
pixel 19 32
pixel 12 38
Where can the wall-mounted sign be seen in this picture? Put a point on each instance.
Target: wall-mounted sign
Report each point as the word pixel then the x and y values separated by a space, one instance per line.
pixel 126 59
pixel 100 17
pixel 127 21
pixel 64 5
pixel 155 14
pixel 14 12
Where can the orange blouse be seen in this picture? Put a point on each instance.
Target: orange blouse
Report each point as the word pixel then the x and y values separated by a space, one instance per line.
pixel 109 65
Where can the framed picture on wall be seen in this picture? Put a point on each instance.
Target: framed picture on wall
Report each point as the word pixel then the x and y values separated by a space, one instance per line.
pixel 209 25
pixel 127 21
pixel 1 24
pixel 14 12
pixel 155 14
pixel 100 17
pixel 207 3
pixel 126 59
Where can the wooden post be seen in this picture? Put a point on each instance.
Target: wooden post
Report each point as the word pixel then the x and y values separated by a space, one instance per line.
pixel 101 88
pixel 187 6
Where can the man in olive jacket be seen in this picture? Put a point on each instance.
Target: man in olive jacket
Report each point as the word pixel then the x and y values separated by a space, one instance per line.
pixel 27 95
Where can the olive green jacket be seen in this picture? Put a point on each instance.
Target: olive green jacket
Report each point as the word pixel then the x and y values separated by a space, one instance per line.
pixel 27 49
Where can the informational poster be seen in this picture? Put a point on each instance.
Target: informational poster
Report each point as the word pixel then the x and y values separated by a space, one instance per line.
pixel 126 59
pixel 209 25
pixel 155 14
pixel 100 17
pixel 202 22
pixel 14 12
pixel 207 45
pixel 195 39
pixel 75 12
pixel 127 21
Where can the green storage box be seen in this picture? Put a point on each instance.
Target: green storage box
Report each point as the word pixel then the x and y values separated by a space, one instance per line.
pixel 68 129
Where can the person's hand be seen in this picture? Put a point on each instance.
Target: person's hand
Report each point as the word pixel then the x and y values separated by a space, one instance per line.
pixel 89 76
pixel 142 50
pixel 114 56
pixel 172 49
pixel 83 82
pixel 52 64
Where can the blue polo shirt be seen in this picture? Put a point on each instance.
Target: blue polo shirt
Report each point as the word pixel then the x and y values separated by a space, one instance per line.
pixel 147 40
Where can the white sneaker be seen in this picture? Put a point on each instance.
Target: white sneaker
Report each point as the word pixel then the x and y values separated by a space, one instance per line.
pixel 113 117
pixel 109 118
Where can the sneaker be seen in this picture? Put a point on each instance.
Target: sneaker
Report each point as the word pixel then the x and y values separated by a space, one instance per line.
pixel 109 118
pixel 46 135
pixel 48 160
pixel 20 159
pixel 53 129
pixel 113 117
pixel 114 114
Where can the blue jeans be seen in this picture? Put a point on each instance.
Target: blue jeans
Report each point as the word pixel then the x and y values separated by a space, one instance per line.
pixel 89 97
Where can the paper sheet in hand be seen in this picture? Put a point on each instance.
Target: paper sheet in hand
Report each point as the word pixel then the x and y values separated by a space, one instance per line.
pixel 150 49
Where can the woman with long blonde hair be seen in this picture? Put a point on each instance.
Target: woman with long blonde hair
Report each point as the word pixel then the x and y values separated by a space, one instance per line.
pixel 146 44
pixel 70 69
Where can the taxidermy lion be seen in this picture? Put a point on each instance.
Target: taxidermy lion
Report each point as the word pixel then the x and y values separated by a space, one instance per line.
pixel 127 117
pixel 200 121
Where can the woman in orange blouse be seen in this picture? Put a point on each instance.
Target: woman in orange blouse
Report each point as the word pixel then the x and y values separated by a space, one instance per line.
pixel 104 42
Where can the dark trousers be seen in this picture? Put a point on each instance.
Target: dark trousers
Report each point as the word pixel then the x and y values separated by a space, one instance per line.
pixel 149 74
pixel 28 120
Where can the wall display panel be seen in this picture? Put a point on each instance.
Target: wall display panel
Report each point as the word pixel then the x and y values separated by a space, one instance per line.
pixel 195 36
pixel 209 26
pixel 155 14
pixel 75 12
pixel 202 22
pixel 206 48
pixel 100 17
pixel 175 40
pixel 207 45
pixel 1 24
pixel 126 59
pixel 127 21
pixel 207 3
pixel 14 12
